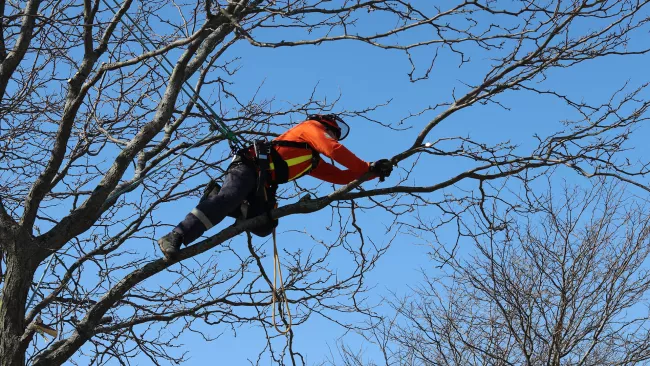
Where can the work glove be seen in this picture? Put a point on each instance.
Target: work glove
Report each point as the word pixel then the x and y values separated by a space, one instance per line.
pixel 382 167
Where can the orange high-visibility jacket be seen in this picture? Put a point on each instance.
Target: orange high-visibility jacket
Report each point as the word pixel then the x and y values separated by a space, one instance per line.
pixel 300 161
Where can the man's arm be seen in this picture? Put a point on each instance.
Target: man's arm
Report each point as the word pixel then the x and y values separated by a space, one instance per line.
pixel 316 135
pixel 332 174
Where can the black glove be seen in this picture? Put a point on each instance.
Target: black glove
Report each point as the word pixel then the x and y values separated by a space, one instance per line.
pixel 382 167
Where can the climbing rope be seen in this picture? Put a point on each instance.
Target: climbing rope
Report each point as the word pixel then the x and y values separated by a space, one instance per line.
pixel 217 124
pixel 212 117
pixel 277 272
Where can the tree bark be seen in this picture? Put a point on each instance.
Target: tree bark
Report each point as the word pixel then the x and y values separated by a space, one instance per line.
pixel 13 59
pixel 17 280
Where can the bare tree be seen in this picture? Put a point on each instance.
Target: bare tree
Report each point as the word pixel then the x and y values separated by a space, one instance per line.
pixel 565 284
pixel 98 136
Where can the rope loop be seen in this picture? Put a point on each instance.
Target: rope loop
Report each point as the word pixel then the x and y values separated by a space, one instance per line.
pixel 277 272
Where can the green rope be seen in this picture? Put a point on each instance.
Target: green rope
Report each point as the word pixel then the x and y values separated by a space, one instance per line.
pixel 217 122
pixel 212 117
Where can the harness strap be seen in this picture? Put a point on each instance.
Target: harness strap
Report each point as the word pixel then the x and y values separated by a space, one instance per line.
pixel 285 143
pixel 281 166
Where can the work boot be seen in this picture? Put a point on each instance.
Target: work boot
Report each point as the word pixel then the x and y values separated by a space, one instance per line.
pixel 170 244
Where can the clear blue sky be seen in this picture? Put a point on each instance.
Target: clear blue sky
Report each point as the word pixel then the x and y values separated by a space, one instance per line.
pixel 367 76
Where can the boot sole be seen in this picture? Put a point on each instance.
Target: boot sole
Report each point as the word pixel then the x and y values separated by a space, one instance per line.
pixel 165 253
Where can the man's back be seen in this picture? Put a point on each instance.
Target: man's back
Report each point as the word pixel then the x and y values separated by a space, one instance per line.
pixel 321 140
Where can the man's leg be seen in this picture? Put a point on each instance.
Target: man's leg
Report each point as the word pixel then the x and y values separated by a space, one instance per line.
pixel 259 207
pixel 239 182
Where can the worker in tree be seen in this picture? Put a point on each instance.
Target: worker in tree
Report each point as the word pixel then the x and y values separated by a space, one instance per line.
pixel 252 178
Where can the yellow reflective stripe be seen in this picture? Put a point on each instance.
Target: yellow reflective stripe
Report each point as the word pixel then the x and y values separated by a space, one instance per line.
pixel 298 160
pixel 293 161
pixel 301 173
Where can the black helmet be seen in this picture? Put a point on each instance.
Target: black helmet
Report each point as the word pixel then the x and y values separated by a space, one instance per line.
pixel 334 123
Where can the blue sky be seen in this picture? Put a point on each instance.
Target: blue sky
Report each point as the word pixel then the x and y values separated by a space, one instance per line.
pixel 366 76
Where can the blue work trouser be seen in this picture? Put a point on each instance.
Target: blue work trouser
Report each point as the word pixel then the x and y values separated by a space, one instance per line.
pixel 239 186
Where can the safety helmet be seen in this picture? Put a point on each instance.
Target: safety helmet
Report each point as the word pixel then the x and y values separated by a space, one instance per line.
pixel 335 123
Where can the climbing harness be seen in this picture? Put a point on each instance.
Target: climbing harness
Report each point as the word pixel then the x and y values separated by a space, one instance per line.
pixel 275 169
pixel 277 273
pixel 281 169
pixel 272 168
pixel 262 150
